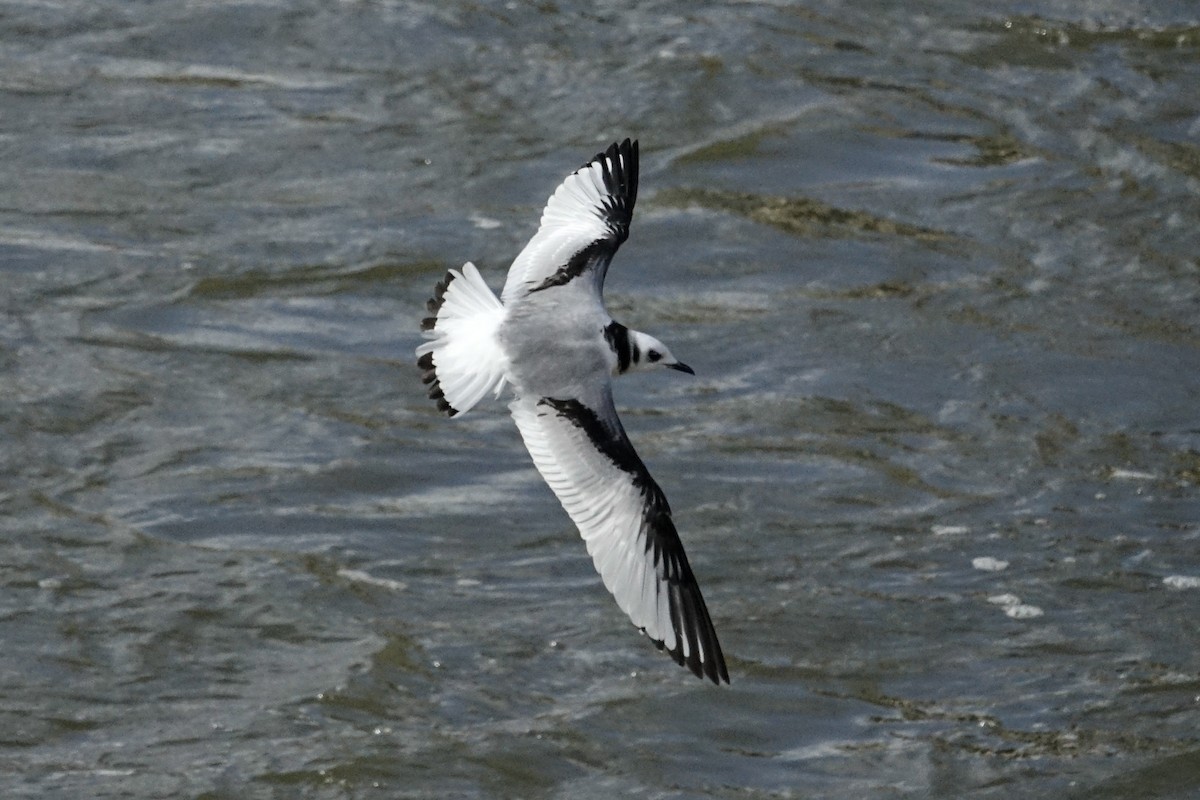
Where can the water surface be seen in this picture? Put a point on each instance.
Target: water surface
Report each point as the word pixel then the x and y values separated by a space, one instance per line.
pixel 936 268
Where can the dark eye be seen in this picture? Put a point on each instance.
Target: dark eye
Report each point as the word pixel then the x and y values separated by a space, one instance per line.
pixel 653 356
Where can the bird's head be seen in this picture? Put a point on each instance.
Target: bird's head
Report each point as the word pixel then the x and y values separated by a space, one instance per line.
pixel 648 353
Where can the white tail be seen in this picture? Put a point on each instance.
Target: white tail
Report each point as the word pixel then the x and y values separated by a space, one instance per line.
pixel 462 359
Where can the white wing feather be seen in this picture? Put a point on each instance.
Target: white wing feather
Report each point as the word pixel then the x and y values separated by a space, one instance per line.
pixel 594 204
pixel 583 454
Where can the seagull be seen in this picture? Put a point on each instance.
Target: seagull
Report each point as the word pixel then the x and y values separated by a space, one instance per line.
pixel 550 338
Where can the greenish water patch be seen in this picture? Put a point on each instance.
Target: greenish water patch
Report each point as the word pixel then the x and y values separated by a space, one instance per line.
pixel 995 150
pixel 799 216
pixel 1187 467
pixel 1172 37
pixel 309 279
pixel 732 148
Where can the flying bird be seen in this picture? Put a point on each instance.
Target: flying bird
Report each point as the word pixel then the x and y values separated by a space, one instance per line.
pixel 550 338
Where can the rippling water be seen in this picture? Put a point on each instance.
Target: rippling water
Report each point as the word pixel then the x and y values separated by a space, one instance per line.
pixel 935 265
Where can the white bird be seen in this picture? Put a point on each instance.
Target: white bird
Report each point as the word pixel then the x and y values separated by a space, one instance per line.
pixel 550 337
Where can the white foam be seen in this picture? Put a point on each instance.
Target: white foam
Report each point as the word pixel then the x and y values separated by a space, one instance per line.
pixel 1131 475
pixel 1022 611
pixel 359 576
pixel 1014 608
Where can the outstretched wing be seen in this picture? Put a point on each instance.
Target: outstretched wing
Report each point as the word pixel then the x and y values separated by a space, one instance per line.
pixel 581 449
pixel 584 223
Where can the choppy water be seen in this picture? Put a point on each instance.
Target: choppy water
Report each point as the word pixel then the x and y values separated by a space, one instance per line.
pixel 936 266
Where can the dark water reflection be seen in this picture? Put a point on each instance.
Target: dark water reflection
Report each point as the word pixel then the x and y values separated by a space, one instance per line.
pixel 936 268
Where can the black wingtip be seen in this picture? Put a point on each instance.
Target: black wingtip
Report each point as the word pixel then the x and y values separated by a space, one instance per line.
pixel 712 668
pixel 691 623
pixel 619 165
pixel 688 612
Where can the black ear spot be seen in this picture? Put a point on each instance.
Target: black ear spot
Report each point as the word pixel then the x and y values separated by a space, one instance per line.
pixel 653 356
